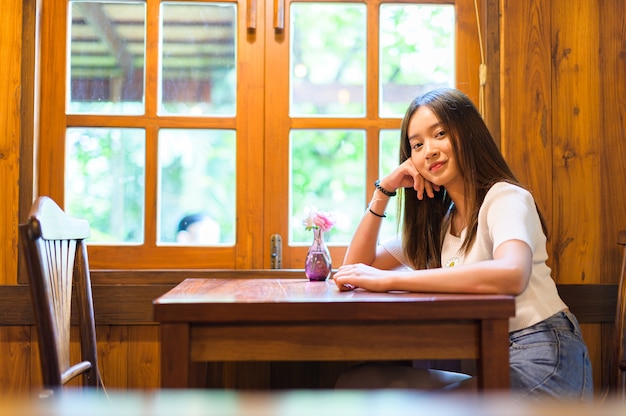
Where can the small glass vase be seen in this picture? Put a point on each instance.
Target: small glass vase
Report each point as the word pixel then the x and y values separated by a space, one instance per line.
pixel 318 264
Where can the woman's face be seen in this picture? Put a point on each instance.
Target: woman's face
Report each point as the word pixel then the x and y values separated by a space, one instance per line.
pixel 431 150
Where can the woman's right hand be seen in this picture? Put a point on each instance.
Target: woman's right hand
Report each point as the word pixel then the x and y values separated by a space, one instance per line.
pixel 406 175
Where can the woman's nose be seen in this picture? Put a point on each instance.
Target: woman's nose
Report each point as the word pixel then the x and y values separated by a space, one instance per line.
pixel 431 149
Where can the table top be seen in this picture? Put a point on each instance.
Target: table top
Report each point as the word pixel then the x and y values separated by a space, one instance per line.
pixel 259 299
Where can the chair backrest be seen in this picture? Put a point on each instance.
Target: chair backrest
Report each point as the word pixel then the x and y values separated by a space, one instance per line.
pixel 617 373
pixel 56 257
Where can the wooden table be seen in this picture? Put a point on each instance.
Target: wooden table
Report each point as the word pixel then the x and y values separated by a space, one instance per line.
pixel 226 320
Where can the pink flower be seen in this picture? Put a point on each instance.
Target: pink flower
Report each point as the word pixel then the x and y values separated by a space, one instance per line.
pixel 324 220
pixel 318 219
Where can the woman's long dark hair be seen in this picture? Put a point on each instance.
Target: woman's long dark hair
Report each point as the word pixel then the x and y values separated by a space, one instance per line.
pixel 480 163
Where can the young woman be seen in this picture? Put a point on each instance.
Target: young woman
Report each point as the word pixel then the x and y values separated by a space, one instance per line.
pixel 470 227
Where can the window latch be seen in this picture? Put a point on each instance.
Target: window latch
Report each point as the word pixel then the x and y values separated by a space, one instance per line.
pixel 276 252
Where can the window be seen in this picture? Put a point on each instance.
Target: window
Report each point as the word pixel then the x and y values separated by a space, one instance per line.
pixel 189 133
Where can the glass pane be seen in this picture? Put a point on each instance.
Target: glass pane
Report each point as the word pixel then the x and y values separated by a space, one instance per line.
pixel 106 57
pixel 416 53
pixel 328 53
pixel 197 187
pixel 198 60
pixel 327 173
pixel 104 182
pixel 388 151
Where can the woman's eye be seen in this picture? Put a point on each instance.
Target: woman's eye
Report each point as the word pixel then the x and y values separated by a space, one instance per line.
pixel 417 146
pixel 440 134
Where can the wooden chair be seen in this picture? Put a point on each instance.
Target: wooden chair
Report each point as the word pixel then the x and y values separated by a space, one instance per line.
pixel 618 354
pixel 56 260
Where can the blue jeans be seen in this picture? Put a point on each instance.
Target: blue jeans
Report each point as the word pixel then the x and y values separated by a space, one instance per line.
pixel 550 360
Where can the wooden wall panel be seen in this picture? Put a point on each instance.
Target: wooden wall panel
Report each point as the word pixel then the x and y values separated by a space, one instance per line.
pixel 525 92
pixel 53 95
pixel 490 25
pixel 16 360
pixel 75 353
pixel 611 194
pixel 467 39
pixel 129 357
pixel 29 110
pixel 563 89
pixel 144 357
pixel 34 370
pixel 10 80
pixel 113 352
pixel 576 140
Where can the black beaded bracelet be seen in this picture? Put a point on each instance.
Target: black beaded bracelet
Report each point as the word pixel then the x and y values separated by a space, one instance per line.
pixel 378 215
pixel 383 190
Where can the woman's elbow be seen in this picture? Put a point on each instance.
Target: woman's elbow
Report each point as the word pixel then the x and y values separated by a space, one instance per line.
pixel 508 280
pixel 517 280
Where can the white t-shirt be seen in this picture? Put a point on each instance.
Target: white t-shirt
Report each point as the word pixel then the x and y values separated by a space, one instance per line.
pixel 507 213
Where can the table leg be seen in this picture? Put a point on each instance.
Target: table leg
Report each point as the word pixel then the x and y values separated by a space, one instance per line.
pixel 493 364
pixel 175 355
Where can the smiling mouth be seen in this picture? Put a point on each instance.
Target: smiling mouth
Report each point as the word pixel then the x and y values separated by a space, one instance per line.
pixel 436 166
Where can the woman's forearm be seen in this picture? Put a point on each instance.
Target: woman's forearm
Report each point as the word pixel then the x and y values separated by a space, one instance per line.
pixel 508 273
pixel 362 248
